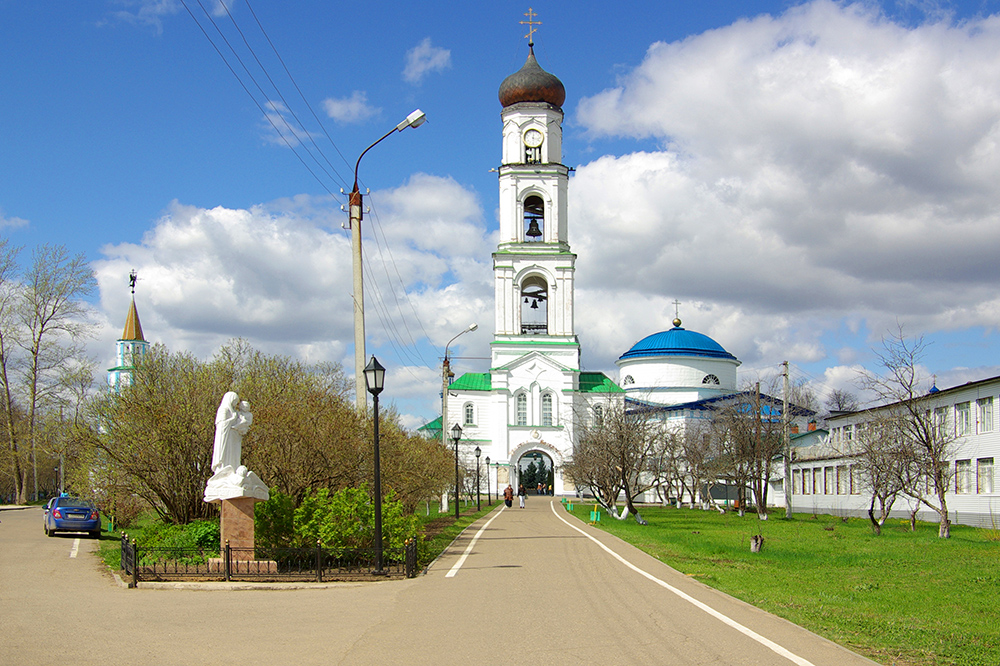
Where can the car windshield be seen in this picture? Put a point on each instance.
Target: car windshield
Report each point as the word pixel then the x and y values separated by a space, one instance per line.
pixel 73 503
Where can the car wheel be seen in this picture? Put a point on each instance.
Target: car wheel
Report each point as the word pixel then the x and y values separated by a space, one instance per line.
pixel 96 534
pixel 50 533
pixel 45 528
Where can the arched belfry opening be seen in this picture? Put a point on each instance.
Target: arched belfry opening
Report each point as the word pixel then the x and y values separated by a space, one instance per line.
pixel 534 306
pixel 534 219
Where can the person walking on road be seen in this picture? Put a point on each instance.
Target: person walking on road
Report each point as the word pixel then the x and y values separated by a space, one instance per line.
pixel 521 492
pixel 508 496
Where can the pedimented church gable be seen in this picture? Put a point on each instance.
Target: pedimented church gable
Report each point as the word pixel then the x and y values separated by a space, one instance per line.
pixel 533 362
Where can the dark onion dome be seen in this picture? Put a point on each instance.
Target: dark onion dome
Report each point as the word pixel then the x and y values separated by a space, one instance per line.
pixel 531 83
pixel 677 342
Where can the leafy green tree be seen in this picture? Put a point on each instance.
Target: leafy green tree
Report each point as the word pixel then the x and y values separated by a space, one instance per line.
pixel 529 475
pixel 155 437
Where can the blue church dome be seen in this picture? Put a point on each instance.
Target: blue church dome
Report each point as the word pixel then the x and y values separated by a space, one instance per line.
pixel 677 342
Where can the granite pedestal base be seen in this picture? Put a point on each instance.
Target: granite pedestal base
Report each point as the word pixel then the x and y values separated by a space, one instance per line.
pixel 236 526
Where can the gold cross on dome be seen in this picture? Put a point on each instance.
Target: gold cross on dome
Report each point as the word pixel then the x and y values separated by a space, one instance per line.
pixel 531 23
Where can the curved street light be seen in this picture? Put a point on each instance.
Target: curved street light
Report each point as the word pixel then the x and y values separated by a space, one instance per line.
pixel 415 119
pixel 445 374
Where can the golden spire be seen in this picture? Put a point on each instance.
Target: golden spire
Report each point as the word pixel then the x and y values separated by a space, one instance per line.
pixel 133 329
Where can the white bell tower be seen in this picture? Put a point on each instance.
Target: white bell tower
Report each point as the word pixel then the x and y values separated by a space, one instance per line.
pixel 533 266
pixel 525 410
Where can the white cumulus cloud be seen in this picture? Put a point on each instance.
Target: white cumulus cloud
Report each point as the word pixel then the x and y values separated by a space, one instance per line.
pixel 804 168
pixel 423 59
pixel 352 109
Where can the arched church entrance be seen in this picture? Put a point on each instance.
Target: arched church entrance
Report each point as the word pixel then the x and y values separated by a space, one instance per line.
pixel 535 469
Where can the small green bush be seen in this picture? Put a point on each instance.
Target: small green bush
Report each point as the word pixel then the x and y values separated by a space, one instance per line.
pixel 342 519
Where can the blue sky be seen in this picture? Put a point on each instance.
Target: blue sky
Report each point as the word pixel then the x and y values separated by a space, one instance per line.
pixel 800 176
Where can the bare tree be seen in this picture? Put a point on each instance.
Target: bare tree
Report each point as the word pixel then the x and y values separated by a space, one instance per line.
pixel 43 320
pixel 879 448
pixel 10 335
pixel 615 456
pixel 840 400
pixel 748 427
pixel 701 457
pixel 929 442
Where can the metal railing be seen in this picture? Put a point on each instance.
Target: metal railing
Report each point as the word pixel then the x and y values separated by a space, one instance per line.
pixel 263 564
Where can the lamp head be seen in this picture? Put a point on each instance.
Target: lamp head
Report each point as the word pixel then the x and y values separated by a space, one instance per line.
pixel 415 119
pixel 478 451
pixel 487 461
pixel 456 433
pixel 374 376
pixel 472 327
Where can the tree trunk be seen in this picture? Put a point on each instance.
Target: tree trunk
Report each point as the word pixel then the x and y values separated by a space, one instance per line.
pixel 756 543
pixel 876 526
pixel 944 528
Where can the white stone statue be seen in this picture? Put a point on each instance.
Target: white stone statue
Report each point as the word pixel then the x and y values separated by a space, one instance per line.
pixel 231 479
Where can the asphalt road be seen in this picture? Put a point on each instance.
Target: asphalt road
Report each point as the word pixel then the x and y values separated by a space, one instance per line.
pixel 531 586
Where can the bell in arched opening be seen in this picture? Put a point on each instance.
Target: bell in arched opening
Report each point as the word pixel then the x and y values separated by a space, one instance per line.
pixel 533 230
pixel 534 219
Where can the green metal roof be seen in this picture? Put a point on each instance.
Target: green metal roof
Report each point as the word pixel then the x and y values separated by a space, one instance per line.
pixel 597 382
pixel 473 381
pixel 431 427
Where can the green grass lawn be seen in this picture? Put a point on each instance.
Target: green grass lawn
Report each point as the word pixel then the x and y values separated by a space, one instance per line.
pixel 903 598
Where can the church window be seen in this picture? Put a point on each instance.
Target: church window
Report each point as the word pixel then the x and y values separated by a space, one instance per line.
pixel 546 409
pixel 710 379
pixel 534 219
pixel 522 409
pixel 470 414
pixel 628 381
pixel 598 415
pixel 534 306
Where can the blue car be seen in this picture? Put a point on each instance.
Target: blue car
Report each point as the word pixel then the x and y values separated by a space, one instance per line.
pixel 71 514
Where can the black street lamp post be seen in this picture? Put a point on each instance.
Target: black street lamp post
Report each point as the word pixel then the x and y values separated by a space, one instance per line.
pixel 479 507
pixel 374 379
pixel 489 488
pixel 456 434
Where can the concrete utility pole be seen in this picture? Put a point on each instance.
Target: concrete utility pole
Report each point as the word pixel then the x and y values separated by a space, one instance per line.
pixel 356 214
pixel 787 440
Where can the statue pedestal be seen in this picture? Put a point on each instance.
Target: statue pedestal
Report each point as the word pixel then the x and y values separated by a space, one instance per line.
pixel 237 529
pixel 237 526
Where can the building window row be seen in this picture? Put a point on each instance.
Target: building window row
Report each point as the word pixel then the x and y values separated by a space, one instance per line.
pixel 966 421
pixel 828 480
pixel 978 480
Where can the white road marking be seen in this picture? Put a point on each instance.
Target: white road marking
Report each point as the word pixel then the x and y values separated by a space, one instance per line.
pixel 75 549
pixel 458 565
pixel 794 658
